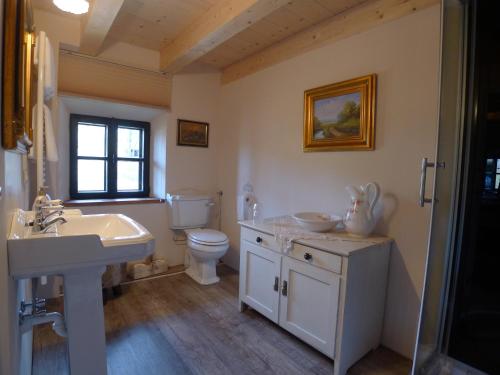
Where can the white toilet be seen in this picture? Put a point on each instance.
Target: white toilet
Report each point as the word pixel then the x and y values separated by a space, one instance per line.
pixel 190 211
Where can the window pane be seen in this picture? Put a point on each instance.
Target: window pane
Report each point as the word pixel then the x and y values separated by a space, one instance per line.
pixel 497 181
pixel 91 140
pixel 91 175
pixel 488 181
pixel 129 143
pixel 129 175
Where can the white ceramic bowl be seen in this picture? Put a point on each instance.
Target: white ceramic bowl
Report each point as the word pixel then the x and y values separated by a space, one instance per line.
pixel 317 221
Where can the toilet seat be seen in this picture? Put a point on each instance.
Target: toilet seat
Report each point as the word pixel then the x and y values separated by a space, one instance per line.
pixel 207 237
pixel 209 249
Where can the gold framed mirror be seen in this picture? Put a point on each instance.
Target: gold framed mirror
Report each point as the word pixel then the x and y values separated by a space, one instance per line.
pixel 17 75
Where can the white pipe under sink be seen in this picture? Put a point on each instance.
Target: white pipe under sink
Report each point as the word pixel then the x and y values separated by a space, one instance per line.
pixel 57 320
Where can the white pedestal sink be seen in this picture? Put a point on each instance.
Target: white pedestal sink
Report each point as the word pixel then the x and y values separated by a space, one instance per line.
pixel 79 250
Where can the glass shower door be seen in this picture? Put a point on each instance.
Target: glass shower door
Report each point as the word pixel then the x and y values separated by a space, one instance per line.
pixel 447 174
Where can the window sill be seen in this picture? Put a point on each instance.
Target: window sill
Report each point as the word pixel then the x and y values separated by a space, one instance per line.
pixel 111 202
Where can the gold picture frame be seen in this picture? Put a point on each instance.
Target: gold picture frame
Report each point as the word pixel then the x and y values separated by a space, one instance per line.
pixel 192 133
pixel 17 75
pixel 341 116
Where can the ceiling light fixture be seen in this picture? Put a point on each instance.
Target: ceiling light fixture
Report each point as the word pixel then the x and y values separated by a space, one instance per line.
pixel 72 6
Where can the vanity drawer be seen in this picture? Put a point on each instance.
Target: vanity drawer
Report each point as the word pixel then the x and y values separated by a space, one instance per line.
pixel 316 257
pixel 259 239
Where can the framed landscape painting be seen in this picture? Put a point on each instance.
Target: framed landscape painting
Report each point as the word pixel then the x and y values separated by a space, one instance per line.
pixel 192 133
pixel 341 116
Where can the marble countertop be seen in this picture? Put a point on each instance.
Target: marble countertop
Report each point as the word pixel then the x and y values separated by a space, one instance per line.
pixel 338 242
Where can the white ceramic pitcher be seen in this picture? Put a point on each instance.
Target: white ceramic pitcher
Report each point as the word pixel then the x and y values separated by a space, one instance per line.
pixel 360 220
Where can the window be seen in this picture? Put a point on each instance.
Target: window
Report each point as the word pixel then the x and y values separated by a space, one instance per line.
pixel 109 158
pixel 492 175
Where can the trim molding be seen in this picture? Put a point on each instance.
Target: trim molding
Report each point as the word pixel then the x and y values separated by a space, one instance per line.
pixel 111 202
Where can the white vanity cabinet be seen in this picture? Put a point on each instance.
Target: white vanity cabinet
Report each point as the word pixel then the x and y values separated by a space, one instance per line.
pixel 330 294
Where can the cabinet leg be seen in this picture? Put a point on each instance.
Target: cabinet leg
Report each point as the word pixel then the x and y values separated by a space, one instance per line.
pixel 242 306
pixel 338 369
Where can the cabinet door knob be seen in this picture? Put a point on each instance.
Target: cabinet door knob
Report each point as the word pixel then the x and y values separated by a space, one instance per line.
pixel 284 288
pixel 308 256
pixel 258 240
pixel 276 283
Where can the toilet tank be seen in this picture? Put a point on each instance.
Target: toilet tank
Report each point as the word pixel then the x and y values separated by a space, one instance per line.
pixel 188 210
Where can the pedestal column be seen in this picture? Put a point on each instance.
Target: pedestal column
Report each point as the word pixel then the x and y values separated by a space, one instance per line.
pixel 84 316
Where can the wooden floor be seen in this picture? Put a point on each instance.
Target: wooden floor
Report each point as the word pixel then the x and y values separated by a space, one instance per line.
pixel 172 325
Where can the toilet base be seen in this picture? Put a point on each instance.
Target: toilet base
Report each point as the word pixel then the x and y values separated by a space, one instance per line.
pixel 202 272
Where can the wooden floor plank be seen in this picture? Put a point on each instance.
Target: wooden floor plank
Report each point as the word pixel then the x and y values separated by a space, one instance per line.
pixel 173 326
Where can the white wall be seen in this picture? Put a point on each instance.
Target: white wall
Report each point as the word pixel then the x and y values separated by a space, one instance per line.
pixel 262 119
pixel 158 155
pixel 13 195
pixel 195 97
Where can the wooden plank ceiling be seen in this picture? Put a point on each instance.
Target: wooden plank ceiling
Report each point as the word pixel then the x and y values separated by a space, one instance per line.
pixel 294 17
pixel 151 23
pixel 224 33
pixel 154 23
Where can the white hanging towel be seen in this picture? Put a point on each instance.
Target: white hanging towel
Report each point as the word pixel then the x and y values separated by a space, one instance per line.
pixel 49 137
pixel 49 87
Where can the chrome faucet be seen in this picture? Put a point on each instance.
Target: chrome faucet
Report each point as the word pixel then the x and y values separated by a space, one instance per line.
pixel 44 211
pixel 57 211
pixel 44 208
pixel 48 224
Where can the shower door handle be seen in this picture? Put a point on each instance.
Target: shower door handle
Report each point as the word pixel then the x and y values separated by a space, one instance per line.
pixel 423 179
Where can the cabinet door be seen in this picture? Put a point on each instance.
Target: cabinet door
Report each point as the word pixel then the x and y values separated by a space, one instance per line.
pixel 309 304
pixel 259 279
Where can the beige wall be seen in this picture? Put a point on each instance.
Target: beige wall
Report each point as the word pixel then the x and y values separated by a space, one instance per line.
pixel 261 119
pixel 109 76
pixel 66 32
pixel 90 77
pixel 60 29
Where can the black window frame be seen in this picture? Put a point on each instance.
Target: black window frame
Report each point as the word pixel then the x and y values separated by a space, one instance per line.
pixel 112 158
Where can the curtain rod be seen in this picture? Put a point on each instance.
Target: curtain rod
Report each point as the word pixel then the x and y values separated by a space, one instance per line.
pixel 64 51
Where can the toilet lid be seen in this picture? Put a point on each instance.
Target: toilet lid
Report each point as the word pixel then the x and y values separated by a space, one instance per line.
pixel 208 236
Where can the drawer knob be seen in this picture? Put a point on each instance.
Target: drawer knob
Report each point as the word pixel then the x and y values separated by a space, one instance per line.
pixel 258 240
pixel 308 256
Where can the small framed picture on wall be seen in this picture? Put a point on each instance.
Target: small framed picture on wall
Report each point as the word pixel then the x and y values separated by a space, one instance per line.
pixel 192 133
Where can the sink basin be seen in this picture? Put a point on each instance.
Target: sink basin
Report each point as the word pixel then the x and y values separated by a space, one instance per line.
pixel 317 221
pixel 78 250
pixel 84 241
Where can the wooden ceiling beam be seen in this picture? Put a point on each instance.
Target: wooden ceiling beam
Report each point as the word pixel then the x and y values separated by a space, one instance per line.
pixel 96 24
pixel 353 21
pixel 221 22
